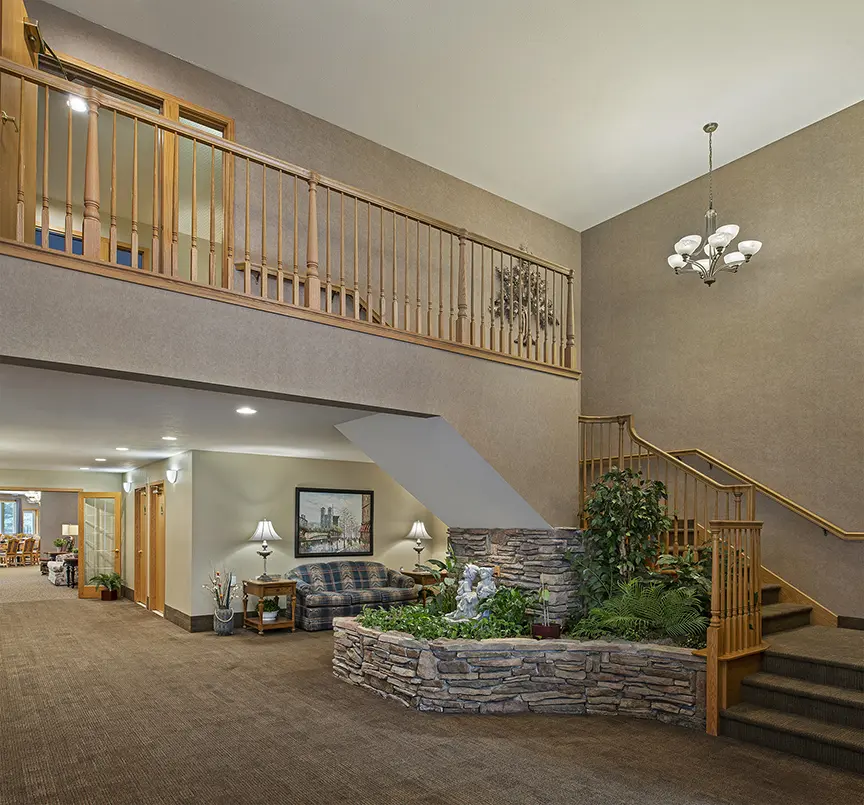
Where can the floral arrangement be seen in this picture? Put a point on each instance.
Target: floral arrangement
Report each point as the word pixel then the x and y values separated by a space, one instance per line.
pixel 222 587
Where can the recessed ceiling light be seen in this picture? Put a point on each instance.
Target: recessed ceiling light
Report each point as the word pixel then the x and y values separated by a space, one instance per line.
pixel 169 438
pixel 100 459
pixel 122 449
pixel 246 410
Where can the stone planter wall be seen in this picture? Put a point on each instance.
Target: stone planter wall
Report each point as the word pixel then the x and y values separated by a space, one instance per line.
pixel 526 558
pixel 523 675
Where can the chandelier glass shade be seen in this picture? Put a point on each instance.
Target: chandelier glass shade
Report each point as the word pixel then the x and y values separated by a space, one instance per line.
pixel 716 254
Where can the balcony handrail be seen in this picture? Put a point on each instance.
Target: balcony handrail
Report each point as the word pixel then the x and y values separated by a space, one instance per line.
pixel 259 158
pixel 797 508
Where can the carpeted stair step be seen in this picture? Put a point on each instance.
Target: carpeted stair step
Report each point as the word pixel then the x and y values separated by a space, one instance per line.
pixel 771 594
pixel 834 744
pixel 818 654
pixel 782 617
pixel 821 702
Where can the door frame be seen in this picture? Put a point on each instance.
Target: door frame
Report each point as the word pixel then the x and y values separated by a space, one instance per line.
pixel 84 590
pixel 156 564
pixel 141 562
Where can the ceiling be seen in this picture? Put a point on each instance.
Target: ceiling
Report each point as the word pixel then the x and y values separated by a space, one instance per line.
pixel 62 421
pixel 577 109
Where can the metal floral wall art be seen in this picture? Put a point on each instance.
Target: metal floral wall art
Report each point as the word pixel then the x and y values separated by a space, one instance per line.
pixel 524 299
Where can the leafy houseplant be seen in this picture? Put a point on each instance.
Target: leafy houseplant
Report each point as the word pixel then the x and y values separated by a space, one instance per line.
pixel 271 609
pixel 110 584
pixel 545 629
pixel 447 575
pixel 626 515
pixel 59 544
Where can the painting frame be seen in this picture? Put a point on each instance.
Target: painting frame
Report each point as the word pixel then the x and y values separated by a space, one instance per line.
pixel 324 499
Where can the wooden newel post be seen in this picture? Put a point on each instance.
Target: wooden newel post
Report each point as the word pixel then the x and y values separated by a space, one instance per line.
pixel 463 331
pixel 313 282
pixel 570 343
pixel 712 658
pixel 92 228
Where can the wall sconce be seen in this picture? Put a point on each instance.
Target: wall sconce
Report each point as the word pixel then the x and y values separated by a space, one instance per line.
pixel 171 476
pixel 127 486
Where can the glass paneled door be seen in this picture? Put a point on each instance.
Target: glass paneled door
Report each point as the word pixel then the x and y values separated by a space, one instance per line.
pixel 98 538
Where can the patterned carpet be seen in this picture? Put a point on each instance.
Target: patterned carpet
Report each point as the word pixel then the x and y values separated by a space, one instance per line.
pixel 18 584
pixel 106 704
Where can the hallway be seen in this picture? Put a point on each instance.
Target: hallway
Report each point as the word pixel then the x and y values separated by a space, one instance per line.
pixel 105 703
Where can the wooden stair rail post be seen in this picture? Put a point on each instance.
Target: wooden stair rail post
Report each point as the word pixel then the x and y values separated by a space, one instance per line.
pixel 570 348
pixel 463 333
pixel 92 227
pixel 313 282
pixel 712 664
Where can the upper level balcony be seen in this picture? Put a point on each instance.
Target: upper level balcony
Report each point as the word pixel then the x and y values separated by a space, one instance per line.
pixel 103 181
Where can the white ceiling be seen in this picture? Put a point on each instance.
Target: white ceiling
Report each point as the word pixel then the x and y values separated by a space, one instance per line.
pixel 577 109
pixel 61 421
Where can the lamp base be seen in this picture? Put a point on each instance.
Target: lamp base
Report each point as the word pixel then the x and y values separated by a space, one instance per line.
pixel 264 553
pixel 265 577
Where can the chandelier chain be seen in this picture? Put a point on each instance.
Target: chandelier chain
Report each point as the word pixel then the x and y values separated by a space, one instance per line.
pixel 710 170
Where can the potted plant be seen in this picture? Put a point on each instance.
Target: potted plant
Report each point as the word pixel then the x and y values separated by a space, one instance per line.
pixel 59 544
pixel 110 584
pixel 222 587
pixel 545 630
pixel 271 609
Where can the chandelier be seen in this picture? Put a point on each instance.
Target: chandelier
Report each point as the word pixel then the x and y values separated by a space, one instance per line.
pixel 717 239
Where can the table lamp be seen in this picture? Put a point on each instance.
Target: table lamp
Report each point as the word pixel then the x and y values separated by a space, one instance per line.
pixel 263 532
pixel 419 534
pixel 69 531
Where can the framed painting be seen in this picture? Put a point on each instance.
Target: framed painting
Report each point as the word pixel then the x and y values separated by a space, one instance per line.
pixel 333 522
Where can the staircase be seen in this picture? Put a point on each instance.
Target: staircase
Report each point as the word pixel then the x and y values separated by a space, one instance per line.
pixel 808 699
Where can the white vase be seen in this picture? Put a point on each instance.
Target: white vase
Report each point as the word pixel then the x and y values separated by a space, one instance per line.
pixel 270 617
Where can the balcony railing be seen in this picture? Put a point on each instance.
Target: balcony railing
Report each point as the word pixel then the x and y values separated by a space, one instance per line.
pixel 142 196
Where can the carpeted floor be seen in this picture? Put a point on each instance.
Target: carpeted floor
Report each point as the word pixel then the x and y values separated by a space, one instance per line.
pixel 106 704
pixel 18 584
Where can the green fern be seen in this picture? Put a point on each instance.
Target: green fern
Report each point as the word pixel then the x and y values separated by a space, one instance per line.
pixel 645 610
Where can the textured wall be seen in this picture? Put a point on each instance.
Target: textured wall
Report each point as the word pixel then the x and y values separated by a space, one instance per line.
pixel 765 369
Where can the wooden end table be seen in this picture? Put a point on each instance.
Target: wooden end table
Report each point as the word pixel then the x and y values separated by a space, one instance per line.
pixel 270 589
pixel 422 577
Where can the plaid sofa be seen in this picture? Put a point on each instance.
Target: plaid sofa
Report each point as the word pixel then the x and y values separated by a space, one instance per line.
pixel 327 590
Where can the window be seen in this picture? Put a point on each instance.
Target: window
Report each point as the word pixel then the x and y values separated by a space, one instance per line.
pixel 9 516
pixel 31 522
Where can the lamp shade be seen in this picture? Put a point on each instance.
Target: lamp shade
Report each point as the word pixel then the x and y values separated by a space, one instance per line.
pixel 418 531
pixel 264 532
pixel 69 530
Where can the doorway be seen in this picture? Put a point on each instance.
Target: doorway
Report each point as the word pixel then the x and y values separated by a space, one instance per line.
pixel 150 547
pixel 141 548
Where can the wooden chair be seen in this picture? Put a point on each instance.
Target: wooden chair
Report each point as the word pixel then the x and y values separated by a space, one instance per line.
pixel 36 553
pixel 7 554
pixel 25 551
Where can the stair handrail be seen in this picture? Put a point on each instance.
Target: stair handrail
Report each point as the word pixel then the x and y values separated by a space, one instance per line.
pixel 826 525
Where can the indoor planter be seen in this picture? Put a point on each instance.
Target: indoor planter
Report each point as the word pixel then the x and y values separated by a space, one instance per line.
pixel 222 587
pixel 110 584
pixel 545 630
pixel 271 610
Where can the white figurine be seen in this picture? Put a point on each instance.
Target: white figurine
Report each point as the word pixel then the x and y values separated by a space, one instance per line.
pixel 486 587
pixel 467 598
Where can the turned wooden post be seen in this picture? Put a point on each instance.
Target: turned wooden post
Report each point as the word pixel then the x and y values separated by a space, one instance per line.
pixel 570 343
pixel 712 658
pixel 313 282
pixel 92 228
pixel 463 331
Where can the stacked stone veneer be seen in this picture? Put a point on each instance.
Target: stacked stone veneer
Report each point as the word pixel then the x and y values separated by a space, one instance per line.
pixel 523 675
pixel 526 558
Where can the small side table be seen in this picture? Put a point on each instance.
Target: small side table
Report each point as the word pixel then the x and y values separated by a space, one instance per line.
pixel 71 572
pixel 422 577
pixel 270 589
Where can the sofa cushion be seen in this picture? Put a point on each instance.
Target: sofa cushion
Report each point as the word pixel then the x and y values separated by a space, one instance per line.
pixel 371 596
pixel 397 594
pixel 342 576
pixel 326 598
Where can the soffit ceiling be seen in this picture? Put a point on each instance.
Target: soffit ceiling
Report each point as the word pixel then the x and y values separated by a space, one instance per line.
pixel 62 421
pixel 577 109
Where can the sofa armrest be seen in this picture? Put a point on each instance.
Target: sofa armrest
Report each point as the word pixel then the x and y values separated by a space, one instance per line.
pixel 397 579
pixel 303 587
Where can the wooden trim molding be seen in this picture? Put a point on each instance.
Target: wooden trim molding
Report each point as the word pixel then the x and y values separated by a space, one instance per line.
pixel 790 594
pixel 179 285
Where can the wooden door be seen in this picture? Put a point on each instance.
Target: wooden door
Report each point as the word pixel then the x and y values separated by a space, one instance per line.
pixel 18 136
pixel 156 540
pixel 99 538
pixel 141 551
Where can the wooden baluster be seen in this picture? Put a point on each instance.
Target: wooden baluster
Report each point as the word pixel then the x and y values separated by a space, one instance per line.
pixel 536 301
pixel 418 321
pixel 228 218
pixel 483 299
pixel 211 260
pixel 92 227
pixel 19 202
pixel 134 237
pixel 406 320
pixel 382 300
pixel 430 316
pixel 522 299
pixel 510 312
pixel 737 494
pixel 328 284
pixel 472 295
pixel 67 239
pixel 313 281
pixel 757 587
pixel 247 234
pixel 280 264
pixel 440 283
pixel 175 226
pixel 451 288
pixel 341 254
pixel 369 262
pixel 463 333
pixel 193 249
pixel 570 348
pixel 112 230
pixel 712 664
pixel 546 321
pixel 46 211
pixel 395 314
pixel 499 341
pixel 154 242
pixel 356 263
pixel 265 272
pixel 295 276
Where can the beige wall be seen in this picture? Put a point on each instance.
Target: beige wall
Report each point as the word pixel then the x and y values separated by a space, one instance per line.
pixel 232 492
pixel 765 369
